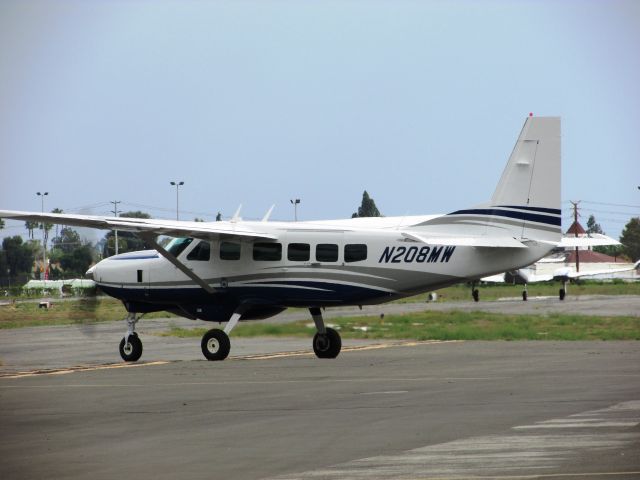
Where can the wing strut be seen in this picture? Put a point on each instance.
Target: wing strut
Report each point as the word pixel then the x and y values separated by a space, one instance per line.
pixel 149 238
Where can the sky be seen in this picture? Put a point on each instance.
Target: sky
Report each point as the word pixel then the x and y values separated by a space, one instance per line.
pixel 260 102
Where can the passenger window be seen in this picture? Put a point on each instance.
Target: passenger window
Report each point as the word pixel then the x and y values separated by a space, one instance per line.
pixel 201 252
pixel 327 252
pixel 355 252
pixel 269 252
pixel 298 252
pixel 229 251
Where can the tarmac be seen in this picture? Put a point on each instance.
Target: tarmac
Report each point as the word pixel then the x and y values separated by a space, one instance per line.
pixel 69 408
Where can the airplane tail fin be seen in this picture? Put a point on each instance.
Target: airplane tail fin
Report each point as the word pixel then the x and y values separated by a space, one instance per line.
pixel 526 202
pixel 527 199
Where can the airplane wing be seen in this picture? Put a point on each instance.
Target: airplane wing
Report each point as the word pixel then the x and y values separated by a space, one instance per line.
pixel 566 273
pixel 525 274
pixel 173 228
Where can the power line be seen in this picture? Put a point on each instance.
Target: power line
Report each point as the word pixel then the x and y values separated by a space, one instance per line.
pixel 612 213
pixel 611 204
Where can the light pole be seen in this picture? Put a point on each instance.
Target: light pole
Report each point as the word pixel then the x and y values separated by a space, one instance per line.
pixel 115 212
pixel 177 185
pixel 44 241
pixel 295 203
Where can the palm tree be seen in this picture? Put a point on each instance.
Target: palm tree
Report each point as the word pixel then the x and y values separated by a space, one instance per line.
pixel 57 210
pixel 30 226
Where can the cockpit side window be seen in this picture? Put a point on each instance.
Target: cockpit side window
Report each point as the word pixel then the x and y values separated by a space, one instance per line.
pixel 177 245
pixel 201 252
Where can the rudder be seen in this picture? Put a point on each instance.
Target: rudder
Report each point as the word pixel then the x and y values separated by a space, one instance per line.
pixel 529 188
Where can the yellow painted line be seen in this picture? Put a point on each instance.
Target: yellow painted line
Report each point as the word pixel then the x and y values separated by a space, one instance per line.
pixel 80 368
pixel 268 356
pixel 376 346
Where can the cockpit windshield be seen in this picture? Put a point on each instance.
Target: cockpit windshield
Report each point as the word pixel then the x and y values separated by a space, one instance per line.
pixel 177 245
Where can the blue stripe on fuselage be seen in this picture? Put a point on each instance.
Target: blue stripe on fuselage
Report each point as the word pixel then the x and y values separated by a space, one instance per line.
pixel 531 217
pixel 133 257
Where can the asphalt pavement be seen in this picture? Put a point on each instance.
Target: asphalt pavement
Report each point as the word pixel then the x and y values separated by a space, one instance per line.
pixel 69 408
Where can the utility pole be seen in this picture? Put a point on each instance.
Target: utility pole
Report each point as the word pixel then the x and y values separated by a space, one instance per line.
pixel 115 212
pixel 43 273
pixel 575 232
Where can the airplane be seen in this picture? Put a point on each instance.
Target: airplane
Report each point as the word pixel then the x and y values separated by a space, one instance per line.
pixel 564 274
pixel 231 271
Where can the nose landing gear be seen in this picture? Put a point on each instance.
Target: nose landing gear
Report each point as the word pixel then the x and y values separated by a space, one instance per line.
pixel 131 345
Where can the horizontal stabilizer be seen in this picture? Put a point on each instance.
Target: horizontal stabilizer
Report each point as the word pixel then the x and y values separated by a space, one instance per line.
pixel 594 240
pixel 466 241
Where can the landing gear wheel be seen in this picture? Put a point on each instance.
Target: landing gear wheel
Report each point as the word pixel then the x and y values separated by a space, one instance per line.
pixel 562 293
pixel 131 351
pixel 327 345
pixel 476 295
pixel 215 345
pixel 524 296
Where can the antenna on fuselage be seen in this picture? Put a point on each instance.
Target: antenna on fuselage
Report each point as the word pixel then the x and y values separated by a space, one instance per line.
pixel 236 216
pixel 268 214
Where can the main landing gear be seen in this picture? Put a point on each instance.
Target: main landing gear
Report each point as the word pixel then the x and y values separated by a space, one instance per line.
pixel 215 343
pixel 563 291
pixel 326 342
pixel 475 293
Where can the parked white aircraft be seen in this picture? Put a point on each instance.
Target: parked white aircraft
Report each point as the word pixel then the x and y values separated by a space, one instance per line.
pixel 240 270
pixel 564 273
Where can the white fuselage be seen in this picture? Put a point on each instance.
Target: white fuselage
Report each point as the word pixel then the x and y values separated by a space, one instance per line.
pixel 310 264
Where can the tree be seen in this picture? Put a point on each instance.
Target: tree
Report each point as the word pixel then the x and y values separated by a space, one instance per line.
pixel 30 226
pixel 127 241
pixel 593 226
pixel 219 217
pixel 18 256
pixel 57 210
pixel 630 239
pixel 611 250
pixel 77 262
pixel 67 241
pixel 367 208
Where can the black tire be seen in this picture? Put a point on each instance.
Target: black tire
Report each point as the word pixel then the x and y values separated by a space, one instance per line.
pixel 215 345
pixel 132 351
pixel 327 345
pixel 524 296
pixel 476 295
pixel 562 293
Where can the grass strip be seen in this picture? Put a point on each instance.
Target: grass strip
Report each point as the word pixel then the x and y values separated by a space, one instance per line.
pixel 489 292
pixel 452 325
pixel 66 312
